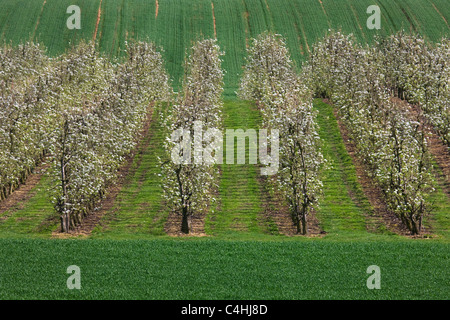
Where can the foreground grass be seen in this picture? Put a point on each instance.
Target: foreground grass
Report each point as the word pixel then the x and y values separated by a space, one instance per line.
pixel 214 269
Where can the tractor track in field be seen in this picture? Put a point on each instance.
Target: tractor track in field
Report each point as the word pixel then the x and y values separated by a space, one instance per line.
pixel 304 36
pixel 247 25
pixel 381 214
pixel 38 19
pixel 325 13
pixel 440 14
pixel 301 30
pixel 214 20
pixel 156 9
pixel 24 192
pixel 358 22
pixel 409 18
pixel 267 6
pixel 93 219
pixel 99 15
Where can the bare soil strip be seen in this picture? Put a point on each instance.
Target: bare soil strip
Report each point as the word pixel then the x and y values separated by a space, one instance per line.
pixel 38 19
pixel 93 219
pixel 173 225
pixel 214 20
pixel 157 9
pixel 371 190
pixel 23 193
pixel 99 14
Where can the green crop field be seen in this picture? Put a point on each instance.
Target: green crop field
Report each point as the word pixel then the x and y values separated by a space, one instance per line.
pixel 212 269
pixel 177 24
pixel 242 253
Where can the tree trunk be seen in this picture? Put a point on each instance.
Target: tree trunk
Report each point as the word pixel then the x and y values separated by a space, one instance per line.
pixel 414 227
pixel 304 229
pixel 65 223
pixel 420 224
pixel 78 218
pixel 185 222
pixel 406 221
pixel 298 225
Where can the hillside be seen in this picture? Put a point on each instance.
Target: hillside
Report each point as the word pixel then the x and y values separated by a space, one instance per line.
pixel 173 25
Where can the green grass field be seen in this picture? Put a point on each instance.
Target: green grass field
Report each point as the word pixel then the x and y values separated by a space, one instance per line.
pixel 214 269
pixel 243 255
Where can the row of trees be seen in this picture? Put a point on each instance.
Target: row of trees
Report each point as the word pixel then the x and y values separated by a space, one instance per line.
pixel 84 112
pixel 358 81
pixel 419 72
pixel 285 102
pixel 104 110
pixel 25 78
pixel 194 143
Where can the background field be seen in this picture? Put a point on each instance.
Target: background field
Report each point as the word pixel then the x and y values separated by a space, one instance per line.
pixel 179 22
pixel 243 255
